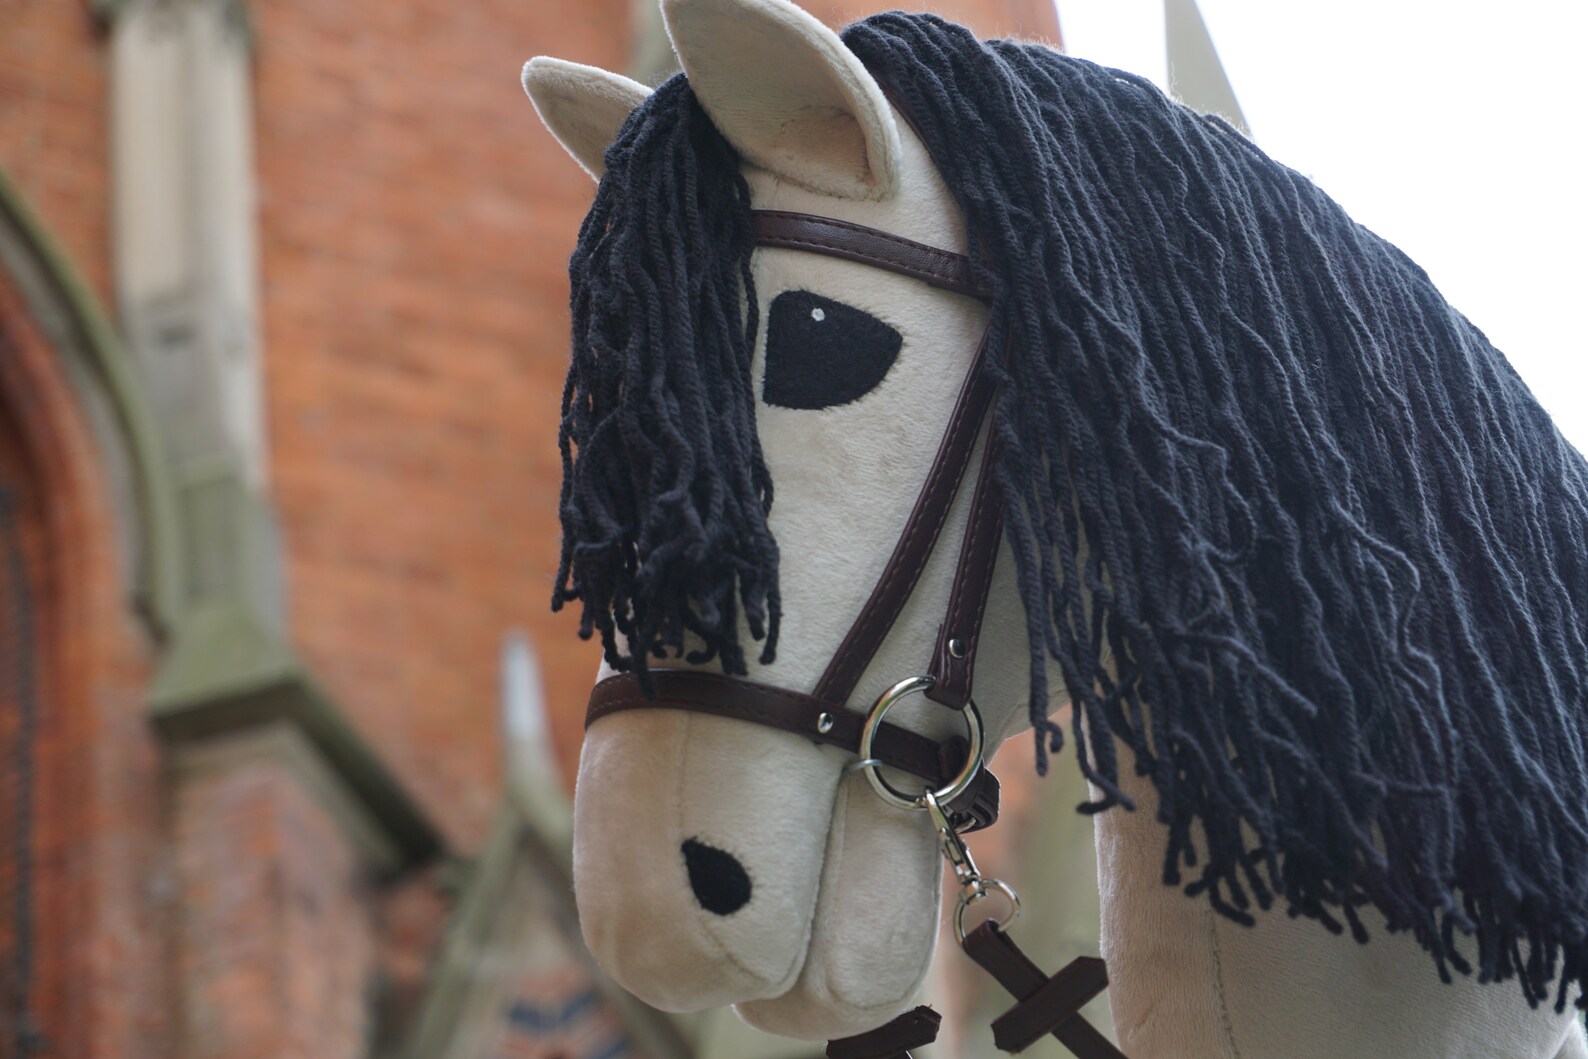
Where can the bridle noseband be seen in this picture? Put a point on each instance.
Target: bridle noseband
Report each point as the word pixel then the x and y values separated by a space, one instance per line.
pixel 961 794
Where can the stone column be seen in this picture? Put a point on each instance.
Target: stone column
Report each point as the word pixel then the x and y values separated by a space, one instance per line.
pixel 186 272
pixel 284 822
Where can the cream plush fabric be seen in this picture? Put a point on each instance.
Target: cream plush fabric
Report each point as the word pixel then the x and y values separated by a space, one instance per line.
pixel 583 106
pixel 839 930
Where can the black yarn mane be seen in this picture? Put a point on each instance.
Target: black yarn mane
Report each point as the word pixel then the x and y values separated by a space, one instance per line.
pixel 664 490
pixel 1336 550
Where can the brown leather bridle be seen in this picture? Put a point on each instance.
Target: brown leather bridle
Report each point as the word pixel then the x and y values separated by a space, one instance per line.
pixel 1046 1005
pixel 822 714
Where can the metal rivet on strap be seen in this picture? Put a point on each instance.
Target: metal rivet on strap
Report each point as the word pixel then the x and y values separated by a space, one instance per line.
pixel 824 723
pixel 956 649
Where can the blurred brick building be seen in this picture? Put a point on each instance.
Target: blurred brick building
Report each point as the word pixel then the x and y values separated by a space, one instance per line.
pixel 282 334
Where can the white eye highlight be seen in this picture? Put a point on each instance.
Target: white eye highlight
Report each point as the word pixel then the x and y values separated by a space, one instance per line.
pixel 818 314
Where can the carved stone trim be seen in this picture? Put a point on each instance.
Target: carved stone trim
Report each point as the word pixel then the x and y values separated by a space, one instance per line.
pixel 236 13
pixel 225 674
pixel 113 395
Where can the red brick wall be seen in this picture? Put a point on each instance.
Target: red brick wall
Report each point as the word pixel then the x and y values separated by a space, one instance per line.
pixel 277 953
pixel 54 136
pixel 23 529
pixel 415 225
pixel 416 220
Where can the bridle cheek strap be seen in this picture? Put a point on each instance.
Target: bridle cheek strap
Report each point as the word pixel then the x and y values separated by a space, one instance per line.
pixel 919 539
pixel 822 714
pixel 954 658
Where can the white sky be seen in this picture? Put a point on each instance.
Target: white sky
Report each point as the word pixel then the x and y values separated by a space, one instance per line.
pixel 1457 129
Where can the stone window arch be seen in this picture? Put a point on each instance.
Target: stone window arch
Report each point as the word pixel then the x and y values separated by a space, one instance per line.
pixel 87 592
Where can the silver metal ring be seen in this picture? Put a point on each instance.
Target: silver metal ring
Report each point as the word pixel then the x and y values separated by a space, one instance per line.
pixel 985 891
pixel 891 794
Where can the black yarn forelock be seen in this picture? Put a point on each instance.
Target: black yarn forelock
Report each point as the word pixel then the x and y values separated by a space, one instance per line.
pixel 665 493
pixel 1336 550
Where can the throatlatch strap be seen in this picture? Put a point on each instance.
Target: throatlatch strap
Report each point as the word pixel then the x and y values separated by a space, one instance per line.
pixel 1047 1005
pixel 913 1029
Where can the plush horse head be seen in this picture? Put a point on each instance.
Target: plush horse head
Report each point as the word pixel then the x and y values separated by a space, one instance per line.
pixel 1293 539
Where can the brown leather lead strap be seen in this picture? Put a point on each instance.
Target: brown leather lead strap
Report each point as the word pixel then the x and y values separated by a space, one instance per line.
pixel 869 246
pixel 700 691
pixel 1000 957
pixel 1036 1016
pixel 913 1029
pixel 954 657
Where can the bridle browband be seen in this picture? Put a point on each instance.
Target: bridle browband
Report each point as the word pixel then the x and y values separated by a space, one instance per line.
pixel 1045 1005
pixel 869 246
pixel 822 713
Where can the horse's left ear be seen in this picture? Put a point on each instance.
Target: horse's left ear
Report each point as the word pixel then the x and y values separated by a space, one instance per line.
pixel 787 94
pixel 583 106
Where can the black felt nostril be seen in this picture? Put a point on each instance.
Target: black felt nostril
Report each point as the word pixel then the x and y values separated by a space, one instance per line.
pixel 721 884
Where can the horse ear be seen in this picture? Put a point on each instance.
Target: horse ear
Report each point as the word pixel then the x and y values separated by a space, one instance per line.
pixel 583 106
pixel 787 94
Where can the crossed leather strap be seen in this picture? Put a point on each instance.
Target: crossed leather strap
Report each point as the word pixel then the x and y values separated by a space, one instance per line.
pixel 1045 1005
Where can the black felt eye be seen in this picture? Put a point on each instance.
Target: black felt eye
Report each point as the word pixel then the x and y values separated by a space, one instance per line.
pixel 821 353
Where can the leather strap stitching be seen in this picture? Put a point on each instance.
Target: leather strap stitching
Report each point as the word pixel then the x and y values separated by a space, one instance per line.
pixel 871 246
pixel 800 714
pixel 907 561
pixel 978 556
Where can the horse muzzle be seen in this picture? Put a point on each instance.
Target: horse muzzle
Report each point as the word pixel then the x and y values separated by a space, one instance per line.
pixel 698 853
